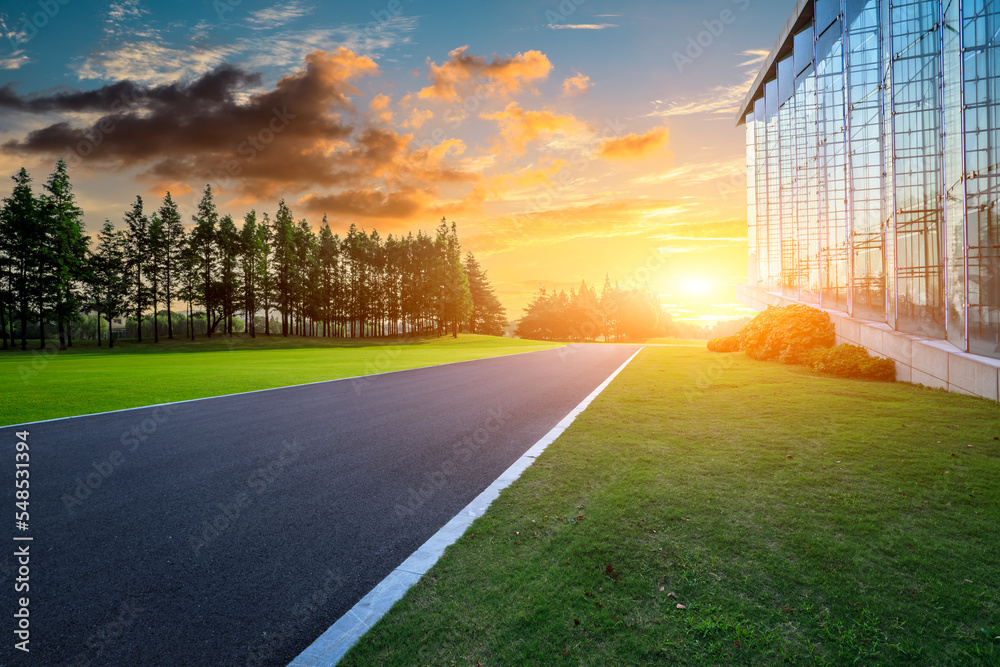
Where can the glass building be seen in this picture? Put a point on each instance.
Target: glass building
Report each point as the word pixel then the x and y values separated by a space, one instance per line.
pixel 873 186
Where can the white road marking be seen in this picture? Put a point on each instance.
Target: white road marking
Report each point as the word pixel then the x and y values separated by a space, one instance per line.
pixel 331 646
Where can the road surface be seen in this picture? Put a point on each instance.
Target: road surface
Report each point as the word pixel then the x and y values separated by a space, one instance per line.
pixel 235 530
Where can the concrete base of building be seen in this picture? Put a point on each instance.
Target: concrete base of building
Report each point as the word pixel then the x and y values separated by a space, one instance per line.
pixel 926 361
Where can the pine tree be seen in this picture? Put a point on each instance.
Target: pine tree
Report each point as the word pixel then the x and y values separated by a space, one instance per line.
pixel 155 266
pixel 68 245
pixel 283 244
pixel 229 253
pixel 454 301
pixel 488 315
pixel 174 240
pixel 22 234
pixel 250 251
pixel 137 258
pixel 111 285
pixel 204 241
pixel 265 275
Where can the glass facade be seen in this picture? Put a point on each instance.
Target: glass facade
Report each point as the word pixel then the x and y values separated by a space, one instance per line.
pixel 873 186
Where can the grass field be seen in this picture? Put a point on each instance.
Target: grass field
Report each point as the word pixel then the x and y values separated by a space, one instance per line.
pixel 87 379
pixel 710 509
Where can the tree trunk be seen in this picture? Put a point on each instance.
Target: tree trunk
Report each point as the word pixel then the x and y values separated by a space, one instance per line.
pixel 98 327
pixel 170 322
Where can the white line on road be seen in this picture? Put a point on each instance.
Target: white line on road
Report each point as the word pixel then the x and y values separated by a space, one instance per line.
pixel 331 646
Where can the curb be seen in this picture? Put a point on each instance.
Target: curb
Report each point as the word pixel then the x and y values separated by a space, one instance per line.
pixel 331 646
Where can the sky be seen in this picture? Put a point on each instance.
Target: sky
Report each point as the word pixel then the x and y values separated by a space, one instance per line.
pixel 568 139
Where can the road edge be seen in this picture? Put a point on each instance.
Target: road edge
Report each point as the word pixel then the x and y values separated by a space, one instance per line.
pixel 330 647
pixel 287 386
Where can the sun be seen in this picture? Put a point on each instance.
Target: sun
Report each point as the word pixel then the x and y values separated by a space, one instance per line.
pixel 696 286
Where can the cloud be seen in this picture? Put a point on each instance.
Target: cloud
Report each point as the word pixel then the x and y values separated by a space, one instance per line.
pixel 121 15
pixel 152 63
pixel 417 118
pixel 718 99
pixel 756 56
pixel 403 204
pixel 379 106
pixel 14 61
pixel 609 219
pixel 286 137
pixel 576 85
pixel 518 127
pixel 581 26
pixel 633 146
pixel 278 15
pixel 462 73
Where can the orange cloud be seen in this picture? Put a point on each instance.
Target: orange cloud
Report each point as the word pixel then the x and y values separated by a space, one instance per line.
pixel 418 117
pixel 403 204
pixel 501 186
pixel 576 85
pixel 379 105
pixel 548 226
pixel 462 73
pixel 518 127
pixel 633 146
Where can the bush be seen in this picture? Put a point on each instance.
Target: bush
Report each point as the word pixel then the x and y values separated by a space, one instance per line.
pixel 853 361
pixel 788 334
pixel 725 344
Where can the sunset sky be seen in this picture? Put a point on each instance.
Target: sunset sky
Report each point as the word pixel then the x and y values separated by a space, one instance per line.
pixel 567 139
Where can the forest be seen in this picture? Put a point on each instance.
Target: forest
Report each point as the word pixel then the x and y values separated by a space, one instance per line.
pixel 272 276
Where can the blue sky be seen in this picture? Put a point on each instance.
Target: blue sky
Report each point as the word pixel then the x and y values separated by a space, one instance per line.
pixel 568 139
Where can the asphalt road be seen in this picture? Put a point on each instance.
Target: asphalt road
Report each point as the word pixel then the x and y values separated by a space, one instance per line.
pixel 235 530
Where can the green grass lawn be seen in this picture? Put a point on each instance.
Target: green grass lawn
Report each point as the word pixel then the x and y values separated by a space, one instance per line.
pixel 710 509
pixel 87 379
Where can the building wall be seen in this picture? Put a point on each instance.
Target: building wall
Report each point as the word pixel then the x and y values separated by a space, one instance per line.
pixel 872 168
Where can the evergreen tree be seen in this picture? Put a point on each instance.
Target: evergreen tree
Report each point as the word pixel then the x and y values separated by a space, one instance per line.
pixel 283 246
pixel 174 241
pixel 68 248
pixel 110 281
pixel 204 242
pixel 137 259
pixel 488 315
pixel 250 251
pixel 229 255
pixel 454 301
pixel 22 234
pixel 156 266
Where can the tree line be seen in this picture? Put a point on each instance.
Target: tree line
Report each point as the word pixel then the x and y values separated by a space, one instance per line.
pixel 316 283
pixel 620 313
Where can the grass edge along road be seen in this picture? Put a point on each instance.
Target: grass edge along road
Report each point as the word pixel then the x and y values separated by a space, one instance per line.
pixel 87 379
pixel 712 509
